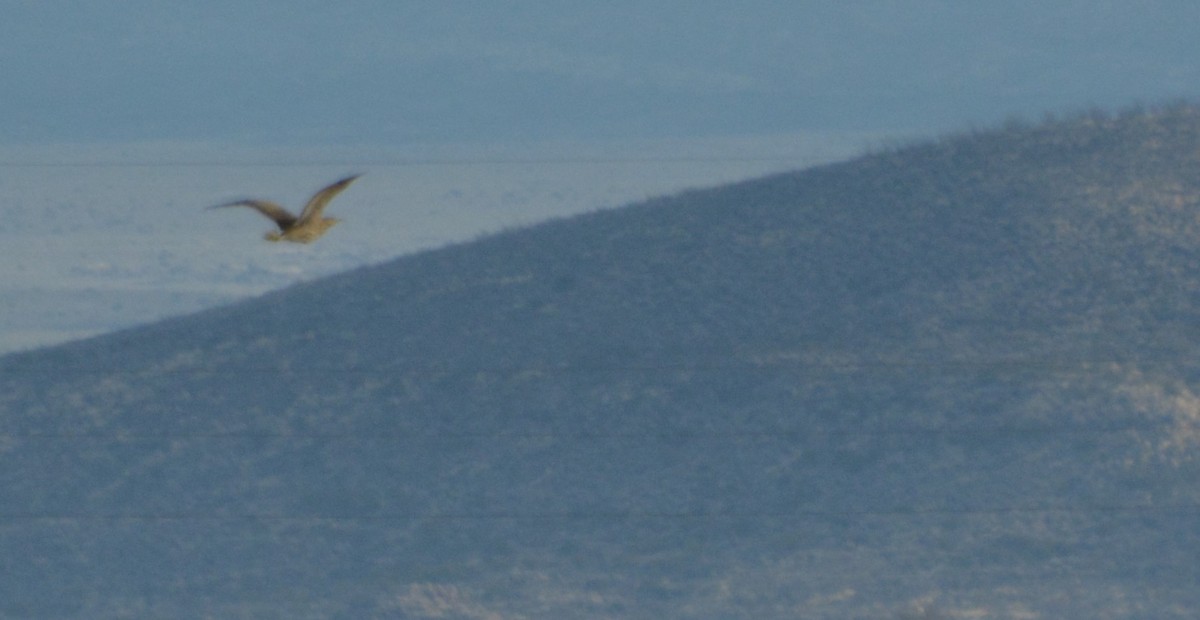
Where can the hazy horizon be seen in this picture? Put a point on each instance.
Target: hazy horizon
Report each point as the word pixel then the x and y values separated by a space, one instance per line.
pixel 123 122
pixel 102 238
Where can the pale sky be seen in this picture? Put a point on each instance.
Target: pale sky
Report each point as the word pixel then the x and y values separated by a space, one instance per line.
pixel 405 71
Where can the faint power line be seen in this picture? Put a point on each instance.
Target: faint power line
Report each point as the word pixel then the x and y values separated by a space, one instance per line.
pixel 1184 509
pixel 392 162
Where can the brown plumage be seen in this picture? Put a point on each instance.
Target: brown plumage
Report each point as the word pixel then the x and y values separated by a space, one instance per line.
pixel 306 228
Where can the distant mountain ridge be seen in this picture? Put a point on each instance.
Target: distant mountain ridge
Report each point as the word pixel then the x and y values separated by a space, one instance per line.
pixel 946 377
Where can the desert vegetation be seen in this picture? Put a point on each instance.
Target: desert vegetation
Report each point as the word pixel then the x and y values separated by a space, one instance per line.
pixel 960 367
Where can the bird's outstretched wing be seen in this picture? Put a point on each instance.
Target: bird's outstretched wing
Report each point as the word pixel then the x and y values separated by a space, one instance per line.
pixel 277 213
pixel 317 203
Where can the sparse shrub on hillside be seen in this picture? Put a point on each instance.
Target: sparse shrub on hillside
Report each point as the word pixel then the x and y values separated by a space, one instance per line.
pixel 958 362
pixel 921 612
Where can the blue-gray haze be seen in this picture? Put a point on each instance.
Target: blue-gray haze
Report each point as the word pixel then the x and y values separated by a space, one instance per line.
pixel 946 380
pixel 395 72
pixel 951 377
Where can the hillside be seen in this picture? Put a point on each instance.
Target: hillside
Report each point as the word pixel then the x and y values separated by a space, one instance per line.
pixel 948 380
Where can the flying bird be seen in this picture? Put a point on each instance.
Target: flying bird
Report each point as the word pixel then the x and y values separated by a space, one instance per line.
pixel 306 228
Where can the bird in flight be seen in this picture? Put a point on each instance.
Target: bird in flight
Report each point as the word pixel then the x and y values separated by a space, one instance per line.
pixel 306 228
